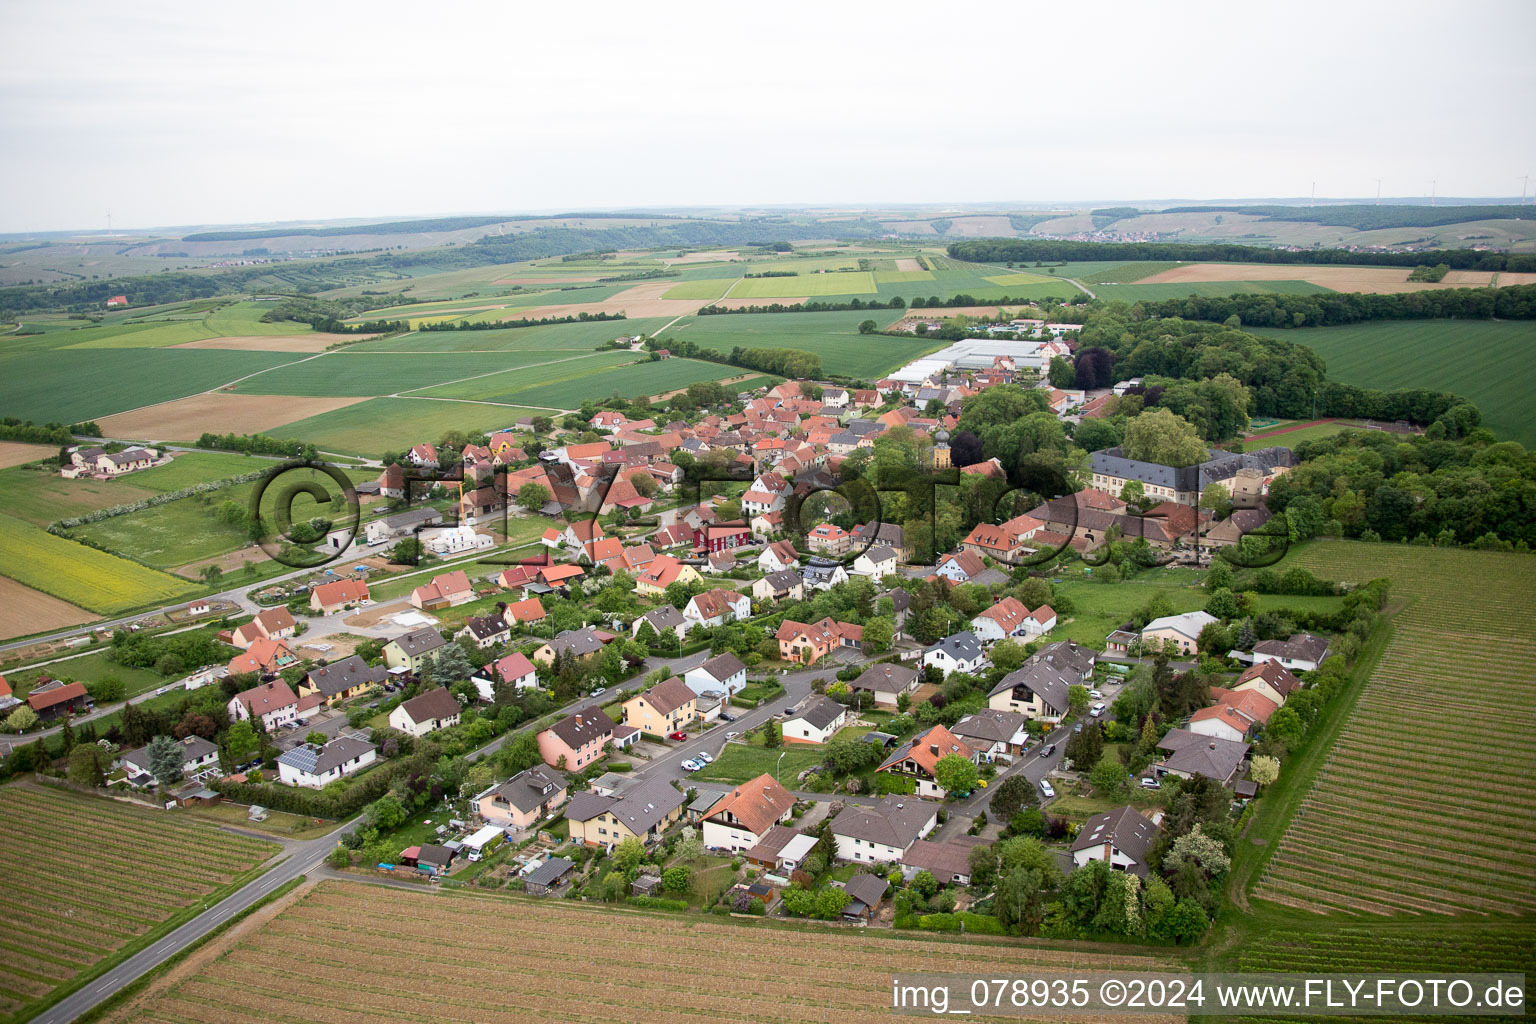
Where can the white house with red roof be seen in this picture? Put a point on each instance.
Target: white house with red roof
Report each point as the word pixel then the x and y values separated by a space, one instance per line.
pixel 717 607
pixel 274 703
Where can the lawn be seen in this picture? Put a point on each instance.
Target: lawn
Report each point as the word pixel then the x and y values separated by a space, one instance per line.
pixel 1100 608
pixel 393 424
pixel 87 668
pixel 1482 360
pixel 40 497
pixel 741 762
pixel 833 336
pixel 94 580
pixel 190 468
pixel 1292 438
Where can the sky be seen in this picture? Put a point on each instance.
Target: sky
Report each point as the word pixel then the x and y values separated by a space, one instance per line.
pixel 182 114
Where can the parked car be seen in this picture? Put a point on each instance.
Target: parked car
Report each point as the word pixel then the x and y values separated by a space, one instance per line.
pixel 1095 694
pixel 599 691
pixel 691 765
pixel 1047 790
pixel 679 735
pixel 1150 783
pixel 727 718
pixel 706 758
pixel 1078 727
pixel 732 735
pixel 1097 709
pixel 1048 750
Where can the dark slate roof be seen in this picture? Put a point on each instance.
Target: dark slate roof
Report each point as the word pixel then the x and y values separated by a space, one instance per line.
pixel 645 805
pixel 1301 646
pixel 528 790
pixel 784 580
pixel 897 821
pixel 586 805
pixel 341 676
pixel 438 703
pixel 580 726
pixel 722 667
pixel 434 855
pixel 420 641
pixel 485 626
pixel 1124 827
pixel 580 642
pixel 1195 754
pixel 866 888
pixel 962 646
pixel 550 872
pixel 413 517
pixel 989 724
pixel 885 678
pixel 821 713
pixel 319 760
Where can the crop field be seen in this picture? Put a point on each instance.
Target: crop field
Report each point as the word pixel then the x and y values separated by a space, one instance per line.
pixel 25 611
pixel 833 336
pixel 1483 360
pixel 69 386
pixel 567 385
pixel 1411 813
pixel 1012 280
pixel 1115 273
pixel 577 337
pixel 393 424
pixel 386 373
pixel 103 877
pixel 902 276
pixel 538 371
pixel 343 945
pixel 40 497
pixel 1333 277
pixel 704 288
pixel 811 284
pixel 83 576
pixel 1154 292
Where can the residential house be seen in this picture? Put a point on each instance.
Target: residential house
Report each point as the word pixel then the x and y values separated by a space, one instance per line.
pixel 948 862
pixel 1191 754
pixel 889 535
pixel 1122 838
pixel 777 557
pixel 341 680
pixel 817 722
pixel 1303 652
pixel 444 591
pixel 1269 678
pixel 578 643
pixel 959 652
pixel 196 754
pixel 745 814
pixel 577 740
pixel 917 759
pixel 808 643
pixel 514 670
pixel 274 703
pixel 665 619
pixel 426 713
pixel 1182 631
pixel 423 455
pixel 1004 542
pixel 995 735
pixel 522 613
pixel 1004 619
pixel 662 573
pixel 315 766
pixel 723 674
pixel 877 561
pixel 486 630
pixel 828 539
pixel 1235 527
pixel 781 850
pixel 822 575
pixel 1225 721
pixel 884 832
pixel 665 708
pixel 717 607
pixel 410 650
pixel 391 483
pixel 778 586
pixel 329 598
pixel 1039 689
pixel 264 657
pixel 887 682
pixel 271 624
pixel 523 799
pixel 960 567
pixel 643 810
pixel 721 536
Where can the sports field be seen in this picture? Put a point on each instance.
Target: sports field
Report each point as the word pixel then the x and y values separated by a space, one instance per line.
pixel 101 877
pixel 833 336
pixel 343 944
pixel 1486 361
pixel 83 576
pixel 1424 804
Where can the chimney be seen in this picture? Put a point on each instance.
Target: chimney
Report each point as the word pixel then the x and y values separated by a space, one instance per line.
pixel 933 748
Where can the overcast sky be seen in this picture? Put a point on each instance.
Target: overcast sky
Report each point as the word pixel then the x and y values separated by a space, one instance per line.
pixel 182 113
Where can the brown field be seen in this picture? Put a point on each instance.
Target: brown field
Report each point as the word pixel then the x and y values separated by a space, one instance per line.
pixel 640 301
pixel 186 418
pixel 277 343
pixel 908 265
pixel 562 279
pixel 1340 279
pixel 24 610
pixel 229 562
pixel 736 303
pixel 15 453
pixel 338 952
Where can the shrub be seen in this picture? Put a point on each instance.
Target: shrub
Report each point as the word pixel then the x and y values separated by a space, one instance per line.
pixel 658 903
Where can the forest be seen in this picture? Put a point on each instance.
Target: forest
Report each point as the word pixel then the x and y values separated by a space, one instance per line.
pixel 1517 302
pixel 1363 217
pixel 1003 250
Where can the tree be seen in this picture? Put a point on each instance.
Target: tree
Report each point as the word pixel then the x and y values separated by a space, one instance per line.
pixel 924 884
pixel 1163 437
pixel 1200 848
pixel 1108 777
pixel 1219 576
pixel 1020 901
pixel 1061 374
pixel 1014 794
pixel 1286 726
pixel 1264 770
pixel 339 858
pixel 773 736
pixel 407 551
pixel 676 880
pixel 1008 655
pixel 164 756
pixel 878 634
pixel 1086 747
pixel 1222 604
pixel 690 846
pixel 85 767
pixel 316 738
pixel 20 720
pixel 241 741
pixel 955 774
pixel 451 665
pixel 388 813
pixel 867 327
pixel 628 856
pixel 1077 698
pixel 1217 500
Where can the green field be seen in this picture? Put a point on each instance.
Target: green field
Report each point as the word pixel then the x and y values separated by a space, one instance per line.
pixel 741 762
pixel 1205 289
pixel 393 424
pixel 576 337
pixel 833 336
pixel 1486 361
pixel 902 276
pixel 180 325
pixel 808 284
pixel 345 373
pixel 1115 273
pixel 1292 438
pixel 42 496
pixel 69 386
pixel 1014 280
pixel 87 668
pixel 566 385
pixel 94 580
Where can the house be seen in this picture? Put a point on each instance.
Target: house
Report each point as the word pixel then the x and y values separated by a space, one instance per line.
pixel 642 810
pixel 781 850
pixel 1111 471
pixel 1229 721
pixel 778 586
pixel 884 832
pixel 865 892
pixel 948 862
pixel 1121 838
pixel 391 484
pixel 1040 621
pixel 576 740
pixel 662 573
pixel 1182 631
pixel 887 682
pixel 1004 542
pixel 402 524
pixel 917 758
pixel 1191 754
pixel 890 535
pixel 828 539
pixel 1235 527
pixel 665 619
pixel 445 591
pixel 777 557
pixel 485 631
pixel 822 575
pixel 808 643
pixel 723 673
pixel 1269 678
pixel 518 613
pixel 274 703
pixel 816 722
pixel 522 799
pixel 578 643
pixel 549 877
pixel 1039 689
pixel 1121 641
pixel 271 624
pixel 425 713
pixel 1004 619
pixel 196 754
pixel 744 815
pixel 263 657
pixel 960 567
pixel 329 598
pixel 423 455
pixel 995 735
pixel 877 561
pixel 411 650
pixel 314 766
pixel 721 536
pixel 341 680
pixel 514 670
pixel 1303 652
pixel 959 652
pixel 117 300
pixel 717 607
pixel 665 708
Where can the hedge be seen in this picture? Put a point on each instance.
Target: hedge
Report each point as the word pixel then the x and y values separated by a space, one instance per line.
pixel 325 803
pixel 963 920
pixel 658 903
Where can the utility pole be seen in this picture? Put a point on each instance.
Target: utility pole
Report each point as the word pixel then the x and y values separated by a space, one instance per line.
pixel 1378 191
pixel 1432 183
